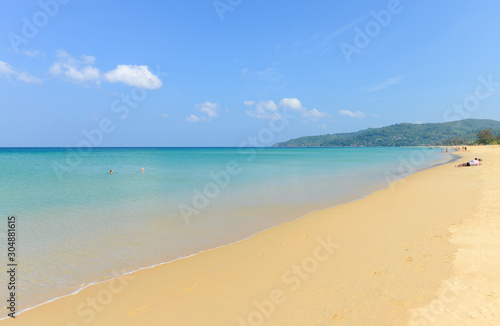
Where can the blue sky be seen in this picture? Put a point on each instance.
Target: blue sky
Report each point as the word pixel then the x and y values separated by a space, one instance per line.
pixel 233 72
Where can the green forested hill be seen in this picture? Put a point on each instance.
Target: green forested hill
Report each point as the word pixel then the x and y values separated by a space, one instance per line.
pixel 402 134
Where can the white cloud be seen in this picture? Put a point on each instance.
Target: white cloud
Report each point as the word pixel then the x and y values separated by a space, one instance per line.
pixel 391 81
pixel 314 114
pixel 31 53
pixel 357 114
pixel 8 71
pixel 88 59
pixel 265 110
pixel 74 69
pixel 161 114
pixel 295 105
pixel 260 113
pixel 268 110
pixel 138 76
pixel 27 78
pixel 192 118
pixel 88 73
pixel 209 108
pixel 82 70
pixel 269 105
pixel 291 103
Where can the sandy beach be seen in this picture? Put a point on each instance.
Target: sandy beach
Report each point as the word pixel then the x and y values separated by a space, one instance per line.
pixel 421 252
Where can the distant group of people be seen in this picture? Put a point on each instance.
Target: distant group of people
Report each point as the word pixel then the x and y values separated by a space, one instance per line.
pixel 460 148
pixel 474 162
pixel 111 171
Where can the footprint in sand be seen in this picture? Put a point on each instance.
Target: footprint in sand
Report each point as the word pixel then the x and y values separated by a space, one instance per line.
pixel 304 236
pixel 191 288
pixel 137 311
pixel 396 302
pixel 380 272
pixel 492 296
pixel 340 316
pixel 282 244
pixel 408 259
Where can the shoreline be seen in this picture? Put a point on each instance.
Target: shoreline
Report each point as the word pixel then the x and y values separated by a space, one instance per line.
pixel 453 157
pixel 209 251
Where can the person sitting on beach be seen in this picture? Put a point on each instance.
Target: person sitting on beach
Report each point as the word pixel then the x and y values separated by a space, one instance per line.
pixel 474 162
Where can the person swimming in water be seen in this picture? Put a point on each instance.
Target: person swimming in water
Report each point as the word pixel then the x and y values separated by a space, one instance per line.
pixel 110 171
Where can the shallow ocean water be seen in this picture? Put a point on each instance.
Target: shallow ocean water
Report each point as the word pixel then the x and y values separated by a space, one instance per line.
pixel 78 224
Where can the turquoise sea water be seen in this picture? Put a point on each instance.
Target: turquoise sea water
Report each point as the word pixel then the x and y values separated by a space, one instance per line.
pixel 78 224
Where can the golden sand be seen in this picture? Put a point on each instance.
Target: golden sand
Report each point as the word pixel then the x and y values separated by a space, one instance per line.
pixel 423 251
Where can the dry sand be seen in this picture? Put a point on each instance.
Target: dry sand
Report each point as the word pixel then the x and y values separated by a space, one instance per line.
pixel 421 252
pixel 470 296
